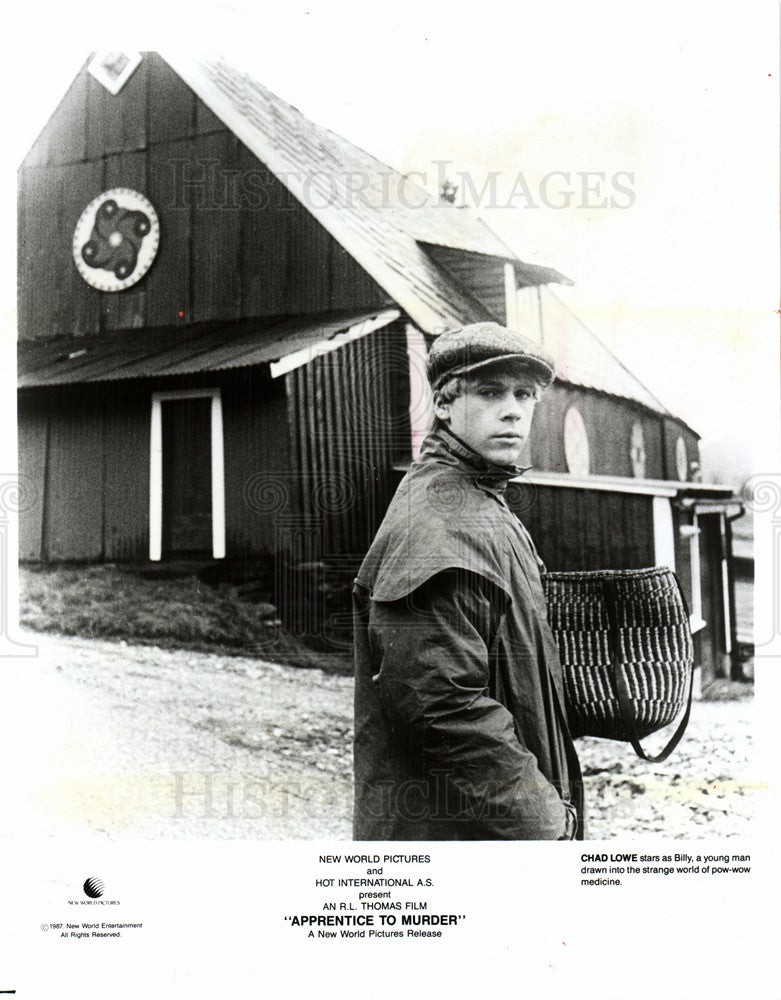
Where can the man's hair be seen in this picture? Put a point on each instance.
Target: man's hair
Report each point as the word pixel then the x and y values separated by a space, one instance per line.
pixel 457 386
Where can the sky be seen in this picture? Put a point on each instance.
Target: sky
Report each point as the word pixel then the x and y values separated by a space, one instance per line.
pixel 657 133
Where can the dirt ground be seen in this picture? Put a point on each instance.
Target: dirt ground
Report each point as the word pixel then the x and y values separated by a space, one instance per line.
pixel 141 742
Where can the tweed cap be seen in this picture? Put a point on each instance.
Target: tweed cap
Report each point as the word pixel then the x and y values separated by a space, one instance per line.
pixel 457 352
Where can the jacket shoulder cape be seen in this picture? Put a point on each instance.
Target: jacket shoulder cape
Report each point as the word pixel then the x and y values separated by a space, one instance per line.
pixel 437 520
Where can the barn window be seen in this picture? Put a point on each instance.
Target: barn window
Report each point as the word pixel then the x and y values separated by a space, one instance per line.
pixel 114 69
pixel 186 477
pixel 576 450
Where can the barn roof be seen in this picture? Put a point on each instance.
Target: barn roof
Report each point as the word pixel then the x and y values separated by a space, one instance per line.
pixel 383 219
pixel 395 231
pixel 155 352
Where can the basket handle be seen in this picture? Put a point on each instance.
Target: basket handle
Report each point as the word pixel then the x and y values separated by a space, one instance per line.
pixel 628 716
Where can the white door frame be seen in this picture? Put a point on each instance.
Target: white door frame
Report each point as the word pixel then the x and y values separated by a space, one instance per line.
pixel 692 532
pixel 156 470
pixel 664 533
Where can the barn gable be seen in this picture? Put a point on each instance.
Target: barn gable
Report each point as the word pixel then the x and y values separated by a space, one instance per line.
pixel 234 242
pixel 264 215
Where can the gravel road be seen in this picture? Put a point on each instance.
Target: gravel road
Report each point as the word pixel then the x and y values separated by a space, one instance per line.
pixel 136 741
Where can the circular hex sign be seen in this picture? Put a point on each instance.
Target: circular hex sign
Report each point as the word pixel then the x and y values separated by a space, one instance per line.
pixel 637 453
pixel 116 239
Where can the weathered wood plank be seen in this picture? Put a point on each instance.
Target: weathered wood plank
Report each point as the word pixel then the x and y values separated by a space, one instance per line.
pixel 259 481
pixel 168 283
pixel 74 496
pixel 33 428
pixel 266 206
pixel 79 305
pixel 216 233
pixel 126 416
pixel 349 285
pixel 171 103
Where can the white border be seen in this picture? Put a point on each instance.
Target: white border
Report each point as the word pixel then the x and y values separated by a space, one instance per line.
pixel 98 70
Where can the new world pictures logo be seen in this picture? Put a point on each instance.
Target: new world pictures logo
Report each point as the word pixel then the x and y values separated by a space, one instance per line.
pixel 93 889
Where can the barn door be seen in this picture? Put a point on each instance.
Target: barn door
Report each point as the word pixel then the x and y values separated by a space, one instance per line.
pixel 187 488
pixel 186 502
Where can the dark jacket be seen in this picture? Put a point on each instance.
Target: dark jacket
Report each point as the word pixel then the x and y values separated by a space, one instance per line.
pixel 460 731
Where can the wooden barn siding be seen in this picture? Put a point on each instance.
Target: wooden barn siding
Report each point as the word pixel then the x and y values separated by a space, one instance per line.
pixel 50 296
pixel 673 429
pixel 73 521
pixel 257 460
pixel 233 241
pixel 127 416
pixel 86 453
pixel 609 426
pixel 33 436
pixel 586 529
pixel 343 434
pixel 170 279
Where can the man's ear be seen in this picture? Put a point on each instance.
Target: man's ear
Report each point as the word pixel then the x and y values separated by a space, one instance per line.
pixel 442 411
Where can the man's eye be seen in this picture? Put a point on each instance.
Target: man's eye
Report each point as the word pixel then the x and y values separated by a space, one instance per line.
pixel 488 392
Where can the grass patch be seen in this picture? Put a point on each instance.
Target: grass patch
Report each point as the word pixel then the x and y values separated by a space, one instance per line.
pixel 109 601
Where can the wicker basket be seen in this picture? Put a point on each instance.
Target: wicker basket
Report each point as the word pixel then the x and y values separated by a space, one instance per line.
pixel 626 651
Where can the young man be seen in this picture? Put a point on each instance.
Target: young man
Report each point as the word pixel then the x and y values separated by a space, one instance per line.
pixel 460 732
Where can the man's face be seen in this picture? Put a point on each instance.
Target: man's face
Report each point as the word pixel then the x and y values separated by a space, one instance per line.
pixel 493 414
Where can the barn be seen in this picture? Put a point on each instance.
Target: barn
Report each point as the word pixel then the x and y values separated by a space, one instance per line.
pixel 224 311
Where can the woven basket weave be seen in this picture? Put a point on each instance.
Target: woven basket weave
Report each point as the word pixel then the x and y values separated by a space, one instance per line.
pixel 621 627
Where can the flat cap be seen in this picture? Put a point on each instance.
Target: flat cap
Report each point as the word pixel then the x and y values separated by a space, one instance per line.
pixel 459 351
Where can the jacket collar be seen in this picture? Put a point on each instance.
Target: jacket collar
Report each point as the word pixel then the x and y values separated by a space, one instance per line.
pixel 443 446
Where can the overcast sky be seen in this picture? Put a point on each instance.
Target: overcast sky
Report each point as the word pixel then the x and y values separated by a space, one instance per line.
pixel 673 254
